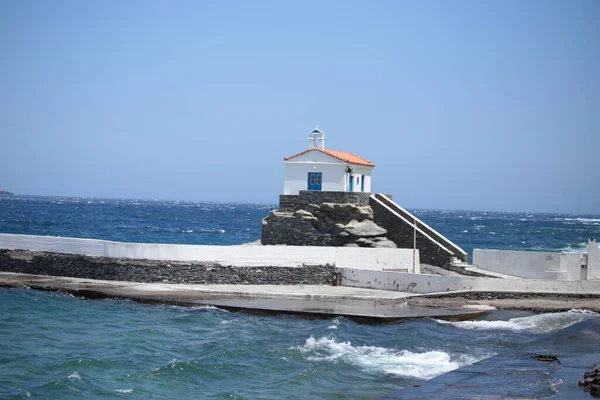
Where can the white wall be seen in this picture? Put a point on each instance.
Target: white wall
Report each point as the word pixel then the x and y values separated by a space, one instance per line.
pixel 89 247
pixel 362 172
pixel 253 256
pixel 377 259
pixel 422 283
pixel 530 264
pixel 593 268
pixel 296 176
pixel 335 178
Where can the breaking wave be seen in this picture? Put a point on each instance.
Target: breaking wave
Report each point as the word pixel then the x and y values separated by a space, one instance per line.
pixel 541 323
pixel 425 365
pixel 580 248
pixel 583 220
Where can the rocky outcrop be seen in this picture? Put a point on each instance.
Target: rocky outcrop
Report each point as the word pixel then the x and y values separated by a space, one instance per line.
pixel 591 381
pixel 4 192
pixel 325 224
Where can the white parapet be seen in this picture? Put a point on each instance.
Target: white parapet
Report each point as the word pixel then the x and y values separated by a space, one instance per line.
pixel 532 264
pixel 239 256
pixel 89 247
pixel 423 283
pixel 593 264
pixel 393 260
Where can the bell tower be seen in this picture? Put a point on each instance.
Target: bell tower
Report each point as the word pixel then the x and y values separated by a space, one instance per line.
pixel 316 139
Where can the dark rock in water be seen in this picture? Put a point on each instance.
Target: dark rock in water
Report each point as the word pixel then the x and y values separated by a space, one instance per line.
pixel 4 192
pixel 592 373
pixel 591 381
pixel 546 358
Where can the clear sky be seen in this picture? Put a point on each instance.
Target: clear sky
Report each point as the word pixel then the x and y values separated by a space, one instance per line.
pixel 481 105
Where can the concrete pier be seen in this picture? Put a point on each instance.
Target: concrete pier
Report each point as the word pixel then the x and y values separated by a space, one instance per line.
pixel 272 279
pixel 317 301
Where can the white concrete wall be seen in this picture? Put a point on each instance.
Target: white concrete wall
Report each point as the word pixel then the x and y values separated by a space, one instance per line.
pixel 530 264
pixel 89 247
pixel 253 256
pixel 571 264
pixel 422 283
pixel 377 259
pixel 593 267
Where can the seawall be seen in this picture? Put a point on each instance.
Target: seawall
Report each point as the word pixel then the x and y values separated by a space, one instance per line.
pixel 152 271
pixel 145 262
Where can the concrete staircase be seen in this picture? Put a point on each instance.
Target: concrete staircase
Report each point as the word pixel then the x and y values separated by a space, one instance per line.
pixel 434 248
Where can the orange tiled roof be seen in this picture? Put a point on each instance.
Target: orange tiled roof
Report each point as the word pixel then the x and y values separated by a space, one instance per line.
pixel 340 155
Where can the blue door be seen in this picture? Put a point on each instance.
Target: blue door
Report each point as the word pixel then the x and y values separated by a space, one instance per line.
pixel 315 180
pixel 362 183
pixel 351 186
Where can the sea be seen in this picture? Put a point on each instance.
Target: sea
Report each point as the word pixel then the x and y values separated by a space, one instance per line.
pixel 56 346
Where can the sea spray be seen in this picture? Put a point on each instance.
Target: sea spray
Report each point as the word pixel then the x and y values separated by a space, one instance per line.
pixel 373 359
pixel 541 323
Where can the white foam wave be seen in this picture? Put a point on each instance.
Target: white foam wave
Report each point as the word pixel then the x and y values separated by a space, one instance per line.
pixel 74 375
pixel 582 219
pixel 580 248
pixel 425 365
pixel 196 308
pixel 204 308
pixel 205 230
pixel 540 323
pixel 123 390
pixel 335 323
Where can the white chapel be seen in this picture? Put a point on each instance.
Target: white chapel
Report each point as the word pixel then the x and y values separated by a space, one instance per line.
pixel 323 169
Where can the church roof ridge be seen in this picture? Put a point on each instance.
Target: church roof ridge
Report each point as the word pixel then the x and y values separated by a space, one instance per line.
pixel 339 155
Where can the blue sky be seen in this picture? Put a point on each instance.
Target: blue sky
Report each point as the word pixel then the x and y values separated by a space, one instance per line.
pixel 481 105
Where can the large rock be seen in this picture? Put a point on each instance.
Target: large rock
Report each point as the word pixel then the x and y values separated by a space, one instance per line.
pixel 294 229
pixel 326 224
pixel 380 242
pixel 305 215
pixel 366 228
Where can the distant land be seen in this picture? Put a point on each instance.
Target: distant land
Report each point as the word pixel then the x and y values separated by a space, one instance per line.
pixel 5 192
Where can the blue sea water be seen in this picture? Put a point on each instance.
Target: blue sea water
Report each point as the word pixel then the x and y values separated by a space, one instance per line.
pixel 188 222
pixel 55 346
